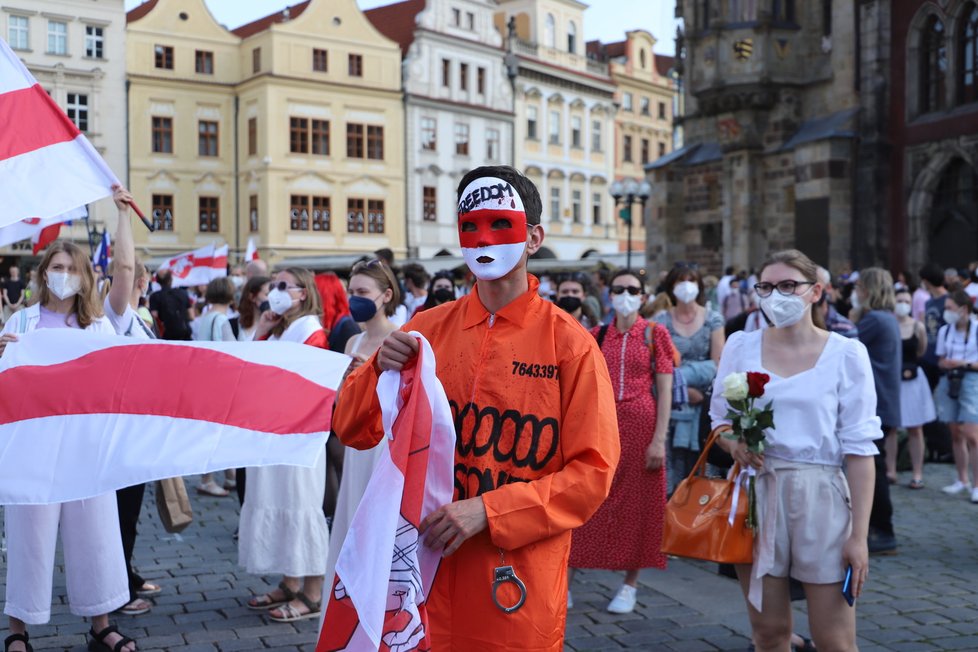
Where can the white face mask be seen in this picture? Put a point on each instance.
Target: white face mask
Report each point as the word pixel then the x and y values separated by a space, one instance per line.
pixel 279 301
pixel 952 317
pixel 686 291
pixel 64 284
pixel 626 304
pixel 238 282
pixel 902 309
pixel 854 300
pixel 784 311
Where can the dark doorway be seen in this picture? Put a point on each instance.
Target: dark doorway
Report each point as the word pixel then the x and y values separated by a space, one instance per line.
pixel 953 234
pixel 812 229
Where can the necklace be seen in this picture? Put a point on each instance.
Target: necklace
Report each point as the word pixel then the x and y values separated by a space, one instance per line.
pixel 687 322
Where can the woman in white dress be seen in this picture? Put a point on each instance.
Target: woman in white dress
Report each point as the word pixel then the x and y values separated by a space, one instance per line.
pixel 916 400
pixel 825 414
pixel 283 529
pixel 374 297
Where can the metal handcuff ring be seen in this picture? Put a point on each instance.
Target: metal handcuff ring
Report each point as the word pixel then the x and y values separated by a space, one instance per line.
pixel 504 575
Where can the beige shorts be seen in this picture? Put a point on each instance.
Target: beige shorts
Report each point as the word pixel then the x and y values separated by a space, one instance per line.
pixel 813 520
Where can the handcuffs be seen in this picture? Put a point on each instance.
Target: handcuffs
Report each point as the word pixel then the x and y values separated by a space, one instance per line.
pixel 506 575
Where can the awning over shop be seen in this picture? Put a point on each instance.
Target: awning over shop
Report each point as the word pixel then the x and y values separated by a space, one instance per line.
pixel 836 125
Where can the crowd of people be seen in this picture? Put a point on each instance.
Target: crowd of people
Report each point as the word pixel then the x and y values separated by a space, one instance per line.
pixel 629 364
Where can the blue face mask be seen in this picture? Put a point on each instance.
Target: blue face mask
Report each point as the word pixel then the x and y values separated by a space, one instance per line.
pixel 362 309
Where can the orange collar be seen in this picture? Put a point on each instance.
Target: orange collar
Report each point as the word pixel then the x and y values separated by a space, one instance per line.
pixel 515 311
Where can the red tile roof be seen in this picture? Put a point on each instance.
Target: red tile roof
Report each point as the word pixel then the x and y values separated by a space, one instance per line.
pixel 396 21
pixel 262 24
pixel 605 52
pixel 139 11
pixel 664 63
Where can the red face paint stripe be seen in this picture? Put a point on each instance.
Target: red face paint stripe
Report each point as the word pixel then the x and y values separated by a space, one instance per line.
pixel 181 382
pixel 37 119
pixel 484 235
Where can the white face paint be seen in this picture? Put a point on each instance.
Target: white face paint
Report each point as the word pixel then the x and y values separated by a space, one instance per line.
pixel 492 228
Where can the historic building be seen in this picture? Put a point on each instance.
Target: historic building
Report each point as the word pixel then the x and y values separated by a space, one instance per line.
pixel 458 107
pixel 846 129
pixel 565 110
pixel 643 124
pixel 298 123
pixel 76 49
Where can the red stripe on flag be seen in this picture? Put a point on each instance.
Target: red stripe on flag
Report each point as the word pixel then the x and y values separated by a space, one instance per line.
pixel 181 382
pixel 31 121
pixel 47 235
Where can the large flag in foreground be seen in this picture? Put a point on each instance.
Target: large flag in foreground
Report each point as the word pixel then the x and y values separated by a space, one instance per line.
pixel 82 414
pixel 375 605
pixel 41 146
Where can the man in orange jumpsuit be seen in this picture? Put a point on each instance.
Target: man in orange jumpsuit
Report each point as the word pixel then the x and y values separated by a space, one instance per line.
pixel 536 431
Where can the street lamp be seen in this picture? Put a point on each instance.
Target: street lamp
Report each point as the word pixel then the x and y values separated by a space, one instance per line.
pixel 627 192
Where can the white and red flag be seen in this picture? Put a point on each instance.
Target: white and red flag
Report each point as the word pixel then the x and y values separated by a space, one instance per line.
pixel 377 601
pixel 192 267
pixel 219 262
pixel 40 232
pixel 39 145
pixel 251 253
pixel 82 414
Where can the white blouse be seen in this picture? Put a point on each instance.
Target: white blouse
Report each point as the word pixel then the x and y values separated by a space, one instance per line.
pixel 820 414
pixel 956 345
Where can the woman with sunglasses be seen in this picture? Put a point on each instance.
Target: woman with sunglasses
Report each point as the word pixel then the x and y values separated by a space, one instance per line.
pixel 698 335
pixel 813 519
pixel 283 529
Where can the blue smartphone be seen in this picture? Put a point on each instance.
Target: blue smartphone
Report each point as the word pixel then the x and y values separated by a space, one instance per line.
pixel 847 587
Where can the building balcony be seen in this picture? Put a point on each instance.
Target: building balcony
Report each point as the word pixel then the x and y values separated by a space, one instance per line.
pixel 561 58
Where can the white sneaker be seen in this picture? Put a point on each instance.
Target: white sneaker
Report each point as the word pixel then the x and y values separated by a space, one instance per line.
pixel 624 602
pixel 570 599
pixel 956 488
pixel 974 495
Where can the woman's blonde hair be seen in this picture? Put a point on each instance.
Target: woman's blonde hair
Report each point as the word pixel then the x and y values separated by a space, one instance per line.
pixel 661 303
pixel 311 305
pixel 87 307
pixel 799 261
pixel 384 278
pixel 878 284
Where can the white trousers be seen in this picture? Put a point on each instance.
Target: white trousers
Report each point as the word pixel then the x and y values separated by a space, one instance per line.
pixel 95 571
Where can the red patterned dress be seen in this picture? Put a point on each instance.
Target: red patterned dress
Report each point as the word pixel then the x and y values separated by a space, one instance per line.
pixel 626 531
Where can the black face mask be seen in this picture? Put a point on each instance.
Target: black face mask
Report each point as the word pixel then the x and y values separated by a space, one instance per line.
pixel 569 304
pixel 443 295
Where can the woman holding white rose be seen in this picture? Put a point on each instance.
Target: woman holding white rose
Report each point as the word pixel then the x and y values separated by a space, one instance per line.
pixel 824 402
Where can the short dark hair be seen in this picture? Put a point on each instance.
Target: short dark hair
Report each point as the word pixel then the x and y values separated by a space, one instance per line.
pixel 415 273
pixel 933 274
pixel 526 188
pixel 219 291
pixel 962 299
pixel 624 271
pixel 386 255
pixel 165 278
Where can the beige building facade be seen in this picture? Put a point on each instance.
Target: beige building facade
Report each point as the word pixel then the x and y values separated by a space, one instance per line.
pixel 288 130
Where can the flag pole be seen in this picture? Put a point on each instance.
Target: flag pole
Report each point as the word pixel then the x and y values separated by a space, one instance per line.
pixel 88 230
pixel 146 221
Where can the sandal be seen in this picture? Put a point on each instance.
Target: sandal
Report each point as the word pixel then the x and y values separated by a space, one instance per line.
pixel 212 489
pixel 137 607
pixel 14 638
pixel 806 646
pixel 98 644
pixel 916 484
pixel 266 601
pixel 148 590
pixel 290 614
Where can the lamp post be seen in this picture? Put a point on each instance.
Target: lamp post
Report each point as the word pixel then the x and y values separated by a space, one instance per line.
pixel 627 192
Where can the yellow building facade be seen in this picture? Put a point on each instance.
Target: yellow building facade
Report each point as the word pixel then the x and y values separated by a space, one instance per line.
pixel 288 130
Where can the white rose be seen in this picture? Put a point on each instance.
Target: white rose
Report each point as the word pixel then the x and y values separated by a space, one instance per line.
pixel 735 387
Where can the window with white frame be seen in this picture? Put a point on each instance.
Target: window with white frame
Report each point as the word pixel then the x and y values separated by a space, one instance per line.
pixel 576 206
pixel 554 128
pixel 531 122
pixel 57 37
pixel 77 110
pixel 492 144
pixel 596 208
pixel 596 136
pixel 550 32
pixel 626 101
pixel 555 203
pixel 572 37
pixel 461 139
pixel 94 41
pixel 17 32
pixel 576 129
pixel 429 134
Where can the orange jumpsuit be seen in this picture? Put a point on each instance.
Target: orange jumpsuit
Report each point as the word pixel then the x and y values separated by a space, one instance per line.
pixel 536 437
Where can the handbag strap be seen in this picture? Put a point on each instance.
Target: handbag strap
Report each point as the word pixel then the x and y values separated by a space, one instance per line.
pixel 700 465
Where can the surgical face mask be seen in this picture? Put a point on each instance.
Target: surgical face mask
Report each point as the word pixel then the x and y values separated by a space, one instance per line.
pixel 569 303
pixel 492 228
pixel 686 291
pixel 902 309
pixel 784 311
pixel 362 309
pixel 238 282
pixel 279 301
pixel 952 317
pixel 854 300
pixel 626 304
pixel 443 295
pixel 64 284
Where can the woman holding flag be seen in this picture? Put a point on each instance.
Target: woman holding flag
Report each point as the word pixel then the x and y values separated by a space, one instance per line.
pixel 283 528
pixel 94 563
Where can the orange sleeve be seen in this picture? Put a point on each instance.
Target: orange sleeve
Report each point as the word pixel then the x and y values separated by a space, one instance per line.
pixel 523 513
pixel 356 419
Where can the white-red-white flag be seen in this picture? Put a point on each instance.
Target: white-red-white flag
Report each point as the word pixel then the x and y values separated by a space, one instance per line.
pixel 377 600
pixel 31 228
pixel 40 145
pixel 251 253
pixel 192 267
pixel 219 263
pixel 82 414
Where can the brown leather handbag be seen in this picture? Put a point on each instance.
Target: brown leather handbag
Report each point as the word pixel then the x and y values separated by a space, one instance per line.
pixel 696 524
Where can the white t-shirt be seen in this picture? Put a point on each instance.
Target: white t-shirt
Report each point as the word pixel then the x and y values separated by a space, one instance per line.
pixel 821 414
pixel 957 345
pixel 129 323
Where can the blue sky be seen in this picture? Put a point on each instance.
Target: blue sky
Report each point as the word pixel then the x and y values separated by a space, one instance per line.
pixel 605 19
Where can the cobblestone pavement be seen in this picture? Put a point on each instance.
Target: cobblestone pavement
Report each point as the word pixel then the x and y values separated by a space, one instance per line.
pixel 924 598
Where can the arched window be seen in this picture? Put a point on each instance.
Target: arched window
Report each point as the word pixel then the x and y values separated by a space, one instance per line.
pixel 641 58
pixel 933 66
pixel 550 32
pixel 953 237
pixel 571 37
pixel 968 48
